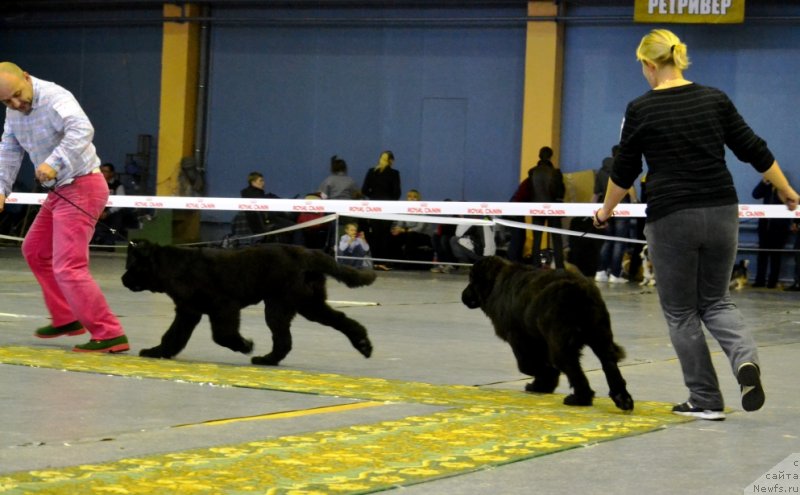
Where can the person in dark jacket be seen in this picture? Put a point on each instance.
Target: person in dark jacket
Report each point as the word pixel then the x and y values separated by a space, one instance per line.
pixel 381 183
pixel 772 235
pixel 609 267
pixel 516 238
pixel 547 186
pixel 261 222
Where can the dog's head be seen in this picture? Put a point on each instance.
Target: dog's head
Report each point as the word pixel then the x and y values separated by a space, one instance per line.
pixel 481 280
pixel 141 270
pixel 739 275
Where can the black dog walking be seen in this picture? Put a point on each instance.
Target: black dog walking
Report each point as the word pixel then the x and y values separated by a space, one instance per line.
pixel 548 316
pixel 220 282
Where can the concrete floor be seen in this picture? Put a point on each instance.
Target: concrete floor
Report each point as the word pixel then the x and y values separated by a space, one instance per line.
pixel 421 332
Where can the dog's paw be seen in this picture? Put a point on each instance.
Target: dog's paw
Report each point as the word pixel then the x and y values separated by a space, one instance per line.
pixel 623 400
pixel 539 386
pixel 578 400
pixel 267 360
pixel 364 346
pixel 247 348
pixel 153 352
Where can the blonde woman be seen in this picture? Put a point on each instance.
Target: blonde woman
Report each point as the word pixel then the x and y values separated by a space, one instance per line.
pixel 681 128
pixel 382 182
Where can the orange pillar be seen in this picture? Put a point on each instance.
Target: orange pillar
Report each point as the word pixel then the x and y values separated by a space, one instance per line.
pixel 541 117
pixel 180 56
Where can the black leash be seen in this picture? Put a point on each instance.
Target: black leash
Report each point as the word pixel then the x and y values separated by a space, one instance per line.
pixel 97 220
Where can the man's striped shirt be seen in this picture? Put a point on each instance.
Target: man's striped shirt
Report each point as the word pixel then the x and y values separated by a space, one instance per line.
pixel 56 132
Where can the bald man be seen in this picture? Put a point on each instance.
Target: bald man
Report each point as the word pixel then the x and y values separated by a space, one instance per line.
pixel 45 121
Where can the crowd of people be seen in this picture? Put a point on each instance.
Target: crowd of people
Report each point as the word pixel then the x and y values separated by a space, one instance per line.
pixel 442 248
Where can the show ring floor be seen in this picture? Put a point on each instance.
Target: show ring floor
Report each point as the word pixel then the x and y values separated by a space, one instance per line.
pixel 438 409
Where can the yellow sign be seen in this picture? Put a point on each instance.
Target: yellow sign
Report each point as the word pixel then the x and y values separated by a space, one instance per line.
pixel 689 11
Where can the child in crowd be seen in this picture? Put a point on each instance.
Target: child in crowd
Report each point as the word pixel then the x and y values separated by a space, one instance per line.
pixel 354 245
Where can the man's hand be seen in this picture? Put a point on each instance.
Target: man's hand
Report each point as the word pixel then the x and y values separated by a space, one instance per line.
pixel 45 173
pixel 2 202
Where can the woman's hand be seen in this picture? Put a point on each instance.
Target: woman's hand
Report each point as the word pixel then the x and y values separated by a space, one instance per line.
pixel 601 218
pixel 789 197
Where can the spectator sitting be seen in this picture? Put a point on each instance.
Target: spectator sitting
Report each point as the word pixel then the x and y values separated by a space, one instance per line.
pixel 339 185
pixel 260 222
pixel 353 244
pixel 441 247
pixel 315 236
pixel 114 222
pixel 472 242
pixel 412 241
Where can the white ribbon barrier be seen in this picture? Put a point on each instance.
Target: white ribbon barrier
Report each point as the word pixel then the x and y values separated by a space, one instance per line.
pixel 302 225
pixel 396 217
pixel 553 230
pixel 371 209
pixel 412 211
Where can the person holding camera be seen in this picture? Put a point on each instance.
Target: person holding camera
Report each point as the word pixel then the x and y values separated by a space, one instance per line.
pixel 353 245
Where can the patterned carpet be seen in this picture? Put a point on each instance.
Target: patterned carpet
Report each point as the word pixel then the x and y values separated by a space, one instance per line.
pixel 478 429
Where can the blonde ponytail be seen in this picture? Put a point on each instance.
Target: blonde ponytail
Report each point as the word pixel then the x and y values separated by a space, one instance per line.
pixel 662 47
pixel 680 56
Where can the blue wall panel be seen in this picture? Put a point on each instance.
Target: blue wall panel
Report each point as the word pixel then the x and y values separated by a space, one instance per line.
pixel 114 72
pixel 283 100
pixel 444 139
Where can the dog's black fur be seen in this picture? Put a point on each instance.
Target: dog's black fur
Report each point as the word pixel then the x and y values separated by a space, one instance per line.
pixel 220 282
pixel 548 316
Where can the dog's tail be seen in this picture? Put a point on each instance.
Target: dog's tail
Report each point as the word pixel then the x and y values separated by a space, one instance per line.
pixel 351 277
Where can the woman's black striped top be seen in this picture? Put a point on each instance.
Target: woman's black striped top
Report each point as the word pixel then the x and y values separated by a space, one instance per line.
pixel 682 132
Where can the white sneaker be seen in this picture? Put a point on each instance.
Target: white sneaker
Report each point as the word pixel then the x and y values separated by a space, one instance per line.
pixel 616 280
pixel 687 409
pixel 448 268
pixel 438 269
pixel 601 277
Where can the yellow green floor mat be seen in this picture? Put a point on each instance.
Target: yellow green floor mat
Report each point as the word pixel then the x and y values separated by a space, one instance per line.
pixel 478 428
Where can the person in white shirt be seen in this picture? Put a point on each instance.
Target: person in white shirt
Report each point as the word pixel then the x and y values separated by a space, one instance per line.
pixel 473 242
pixel 45 121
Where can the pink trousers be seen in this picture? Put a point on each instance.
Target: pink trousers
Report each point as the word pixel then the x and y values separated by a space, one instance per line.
pixel 57 250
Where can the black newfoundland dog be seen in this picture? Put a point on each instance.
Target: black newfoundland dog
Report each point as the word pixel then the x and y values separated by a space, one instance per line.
pixel 220 282
pixel 548 316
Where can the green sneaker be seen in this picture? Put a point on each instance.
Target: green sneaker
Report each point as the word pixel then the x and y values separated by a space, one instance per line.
pixel 117 344
pixel 49 332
